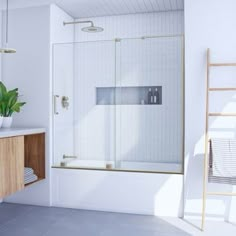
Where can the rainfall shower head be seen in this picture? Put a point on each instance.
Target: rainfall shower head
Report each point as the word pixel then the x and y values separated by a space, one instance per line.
pixel 92 29
pixel 89 29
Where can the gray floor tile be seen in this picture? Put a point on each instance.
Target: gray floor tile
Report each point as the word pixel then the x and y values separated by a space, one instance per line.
pixel 20 220
pixel 9 212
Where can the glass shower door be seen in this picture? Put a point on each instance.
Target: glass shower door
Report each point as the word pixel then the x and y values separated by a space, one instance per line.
pixel 150 114
pixel 119 104
pixel 63 113
pixel 84 132
pixel 94 87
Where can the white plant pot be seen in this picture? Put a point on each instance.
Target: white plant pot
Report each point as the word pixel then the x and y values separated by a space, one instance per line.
pixel 1 120
pixel 7 122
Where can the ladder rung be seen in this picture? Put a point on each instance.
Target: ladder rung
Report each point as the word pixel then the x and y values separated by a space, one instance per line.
pixel 221 114
pixel 222 64
pixel 221 193
pixel 222 89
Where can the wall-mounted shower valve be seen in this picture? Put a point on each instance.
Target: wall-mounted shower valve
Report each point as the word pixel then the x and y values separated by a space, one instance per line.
pixel 65 102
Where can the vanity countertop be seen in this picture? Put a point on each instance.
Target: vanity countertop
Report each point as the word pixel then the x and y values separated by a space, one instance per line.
pixel 11 132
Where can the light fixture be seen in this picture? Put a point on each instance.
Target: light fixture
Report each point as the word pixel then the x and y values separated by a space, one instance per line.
pixel 6 49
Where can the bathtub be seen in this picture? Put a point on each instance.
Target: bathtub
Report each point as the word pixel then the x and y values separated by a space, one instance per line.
pixel 83 184
pixel 122 165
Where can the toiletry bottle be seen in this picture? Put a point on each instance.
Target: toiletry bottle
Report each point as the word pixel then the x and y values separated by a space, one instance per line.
pixel 150 96
pixel 156 96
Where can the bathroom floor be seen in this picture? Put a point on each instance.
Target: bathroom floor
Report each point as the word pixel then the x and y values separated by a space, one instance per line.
pixel 22 220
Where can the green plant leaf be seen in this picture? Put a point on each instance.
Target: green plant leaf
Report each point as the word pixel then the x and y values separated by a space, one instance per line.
pixel 3 90
pixel 12 97
pixel 16 107
pixel 8 101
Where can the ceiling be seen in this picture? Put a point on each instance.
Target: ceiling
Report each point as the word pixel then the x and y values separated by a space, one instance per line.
pixel 93 8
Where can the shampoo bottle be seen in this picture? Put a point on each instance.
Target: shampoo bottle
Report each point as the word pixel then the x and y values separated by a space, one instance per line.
pixel 156 96
pixel 150 96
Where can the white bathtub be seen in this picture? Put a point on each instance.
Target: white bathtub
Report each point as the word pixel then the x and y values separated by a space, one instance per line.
pixel 122 165
pixel 78 185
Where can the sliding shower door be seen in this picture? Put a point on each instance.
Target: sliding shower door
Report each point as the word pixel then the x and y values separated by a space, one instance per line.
pixel 118 104
pixel 94 112
pixel 150 117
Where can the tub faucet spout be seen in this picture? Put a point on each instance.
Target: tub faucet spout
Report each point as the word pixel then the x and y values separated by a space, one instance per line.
pixel 65 156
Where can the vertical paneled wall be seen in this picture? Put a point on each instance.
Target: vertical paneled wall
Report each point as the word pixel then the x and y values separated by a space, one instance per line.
pixel 94 125
pixel 151 133
pixel 134 25
pixel 106 132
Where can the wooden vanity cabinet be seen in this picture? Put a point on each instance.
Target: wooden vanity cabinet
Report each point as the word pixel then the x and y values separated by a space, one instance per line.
pixel 16 153
pixel 11 165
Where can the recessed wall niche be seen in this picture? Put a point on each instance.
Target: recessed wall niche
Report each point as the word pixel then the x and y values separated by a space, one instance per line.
pixel 142 95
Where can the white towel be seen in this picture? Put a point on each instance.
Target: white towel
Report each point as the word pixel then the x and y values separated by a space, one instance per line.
pixel 30 178
pixel 28 171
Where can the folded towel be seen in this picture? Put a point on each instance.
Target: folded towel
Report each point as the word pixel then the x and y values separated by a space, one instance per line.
pixel 28 171
pixel 224 157
pixel 222 161
pixel 31 178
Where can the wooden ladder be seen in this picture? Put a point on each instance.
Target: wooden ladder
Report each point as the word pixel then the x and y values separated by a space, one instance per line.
pixel 209 114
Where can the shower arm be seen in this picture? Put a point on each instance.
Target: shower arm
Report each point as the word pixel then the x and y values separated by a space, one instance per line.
pixel 78 22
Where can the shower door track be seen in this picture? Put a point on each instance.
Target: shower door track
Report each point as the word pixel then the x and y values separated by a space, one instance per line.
pixel 131 38
pixel 117 170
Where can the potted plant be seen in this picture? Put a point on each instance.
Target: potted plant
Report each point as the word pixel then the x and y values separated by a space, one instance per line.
pixel 8 104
